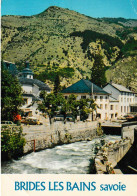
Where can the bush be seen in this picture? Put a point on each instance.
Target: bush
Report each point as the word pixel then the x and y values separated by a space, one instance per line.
pixel 12 142
pixel 99 130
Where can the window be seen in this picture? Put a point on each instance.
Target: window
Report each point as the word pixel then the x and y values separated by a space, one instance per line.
pixel 98 115
pixel 106 106
pixel 106 98
pixel 83 97
pixel 121 108
pixel 115 114
pixel 125 109
pixel 95 98
pixel 127 99
pixel 111 107
pixel 66 97
pixel 25 100
pixel 112 115
pixel 121 99
pixel 101 98
pixel 101 106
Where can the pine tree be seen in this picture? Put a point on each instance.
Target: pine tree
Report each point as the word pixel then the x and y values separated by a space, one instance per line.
pixel 57 86
pixel 98 71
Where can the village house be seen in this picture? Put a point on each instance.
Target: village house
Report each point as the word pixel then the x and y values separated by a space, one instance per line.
pixel 123 95
pixel 31 87
pixel 112 101
pixel 86 89
pixel 11 67
pixel 31 90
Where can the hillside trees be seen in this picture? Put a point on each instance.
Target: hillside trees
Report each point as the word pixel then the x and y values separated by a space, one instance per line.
pixel 57 86
pixel 124 73
pixel 11 95
pixel 98 71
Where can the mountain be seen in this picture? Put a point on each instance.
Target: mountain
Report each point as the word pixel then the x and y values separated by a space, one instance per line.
pixel 62 41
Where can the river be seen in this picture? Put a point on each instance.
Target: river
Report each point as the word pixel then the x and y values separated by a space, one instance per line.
pixel 65 159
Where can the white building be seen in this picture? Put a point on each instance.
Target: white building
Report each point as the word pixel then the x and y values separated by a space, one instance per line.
pixel 31 88
pixel 112 101
pixel 124 96
pixel 113 108
pixel 86 89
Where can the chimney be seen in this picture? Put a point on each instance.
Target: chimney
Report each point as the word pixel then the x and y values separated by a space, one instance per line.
pixel 110 81
pixel 130 88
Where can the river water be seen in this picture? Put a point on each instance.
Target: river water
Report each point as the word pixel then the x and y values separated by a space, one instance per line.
pixel 65 159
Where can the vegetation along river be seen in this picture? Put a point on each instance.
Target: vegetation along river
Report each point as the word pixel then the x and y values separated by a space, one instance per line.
pixel 68 158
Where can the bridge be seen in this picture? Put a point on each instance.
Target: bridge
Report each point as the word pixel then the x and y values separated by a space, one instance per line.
pixel 116 128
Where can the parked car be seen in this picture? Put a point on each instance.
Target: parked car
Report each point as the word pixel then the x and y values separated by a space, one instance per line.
pixel 7 123
pixel 31 121
pixel 131 117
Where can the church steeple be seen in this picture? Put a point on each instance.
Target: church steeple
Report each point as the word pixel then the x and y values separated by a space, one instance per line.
pixel 27 64
pixel 27 72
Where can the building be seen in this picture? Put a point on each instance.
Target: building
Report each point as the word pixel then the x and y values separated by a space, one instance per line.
pixel 31 89
pixel 113 108
pixel 11 67
pixel 133 107
pixel 86 89
pixel 122 95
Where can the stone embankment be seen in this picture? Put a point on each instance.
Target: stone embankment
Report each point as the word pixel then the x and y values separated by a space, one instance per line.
pixel 111 153
pixel 46 136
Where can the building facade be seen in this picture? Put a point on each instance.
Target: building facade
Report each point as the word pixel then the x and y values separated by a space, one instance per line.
pixel 124 96
pixel 113 101
pixel 85 89
pixel 31 89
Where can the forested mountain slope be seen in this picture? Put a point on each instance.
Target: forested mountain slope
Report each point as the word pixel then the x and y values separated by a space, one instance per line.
pixel 65 42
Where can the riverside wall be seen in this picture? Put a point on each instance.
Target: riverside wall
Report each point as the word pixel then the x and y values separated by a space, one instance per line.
pixel 46 136
pixel 111 153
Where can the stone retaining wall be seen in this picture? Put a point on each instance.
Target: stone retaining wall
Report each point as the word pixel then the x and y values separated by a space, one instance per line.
pixel 56 134
pixel 110 154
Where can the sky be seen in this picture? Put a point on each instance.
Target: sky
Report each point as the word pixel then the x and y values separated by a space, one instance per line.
pixel 94 8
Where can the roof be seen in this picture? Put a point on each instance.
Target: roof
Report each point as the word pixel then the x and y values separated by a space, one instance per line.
pixel 11 67
pixel 120 88
pixel 40 84
pixel 28 94
pixel 27 71
pixel 112 99
pixel 34 98
pixel 84 86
